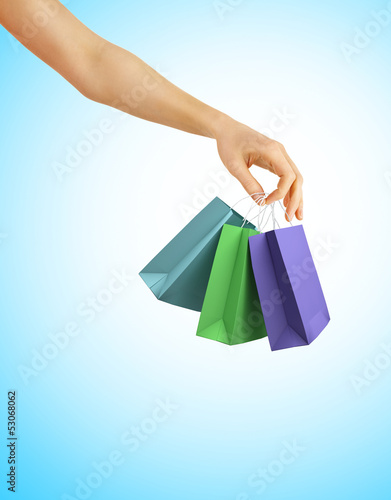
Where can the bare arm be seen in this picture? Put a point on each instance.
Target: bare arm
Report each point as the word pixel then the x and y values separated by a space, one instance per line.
pixel 113 76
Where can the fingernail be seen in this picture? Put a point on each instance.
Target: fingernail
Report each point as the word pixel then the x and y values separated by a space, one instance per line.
pixel 300 213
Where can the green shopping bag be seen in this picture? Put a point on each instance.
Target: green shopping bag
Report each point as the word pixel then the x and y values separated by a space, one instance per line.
pixel 231 312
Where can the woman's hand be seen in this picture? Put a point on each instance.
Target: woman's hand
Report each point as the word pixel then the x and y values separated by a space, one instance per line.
pixel 240 147
pixel 110 75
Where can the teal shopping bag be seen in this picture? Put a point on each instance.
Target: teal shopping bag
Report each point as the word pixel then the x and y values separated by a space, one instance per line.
pixel 180 272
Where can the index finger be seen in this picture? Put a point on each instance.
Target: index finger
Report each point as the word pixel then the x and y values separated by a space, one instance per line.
pixel 283 169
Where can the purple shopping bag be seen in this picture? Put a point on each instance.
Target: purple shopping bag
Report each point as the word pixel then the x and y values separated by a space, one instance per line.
pixel 289 290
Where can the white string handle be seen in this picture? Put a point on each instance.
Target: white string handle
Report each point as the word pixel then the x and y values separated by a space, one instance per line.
pixel 260 199
pixel 260 193
pixel 272 214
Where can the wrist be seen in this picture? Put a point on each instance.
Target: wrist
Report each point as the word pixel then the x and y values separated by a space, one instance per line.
pixel 215 122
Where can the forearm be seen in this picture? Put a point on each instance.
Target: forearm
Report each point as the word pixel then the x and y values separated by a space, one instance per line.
pixel 113 76
pixel 122 80
pixel 101 70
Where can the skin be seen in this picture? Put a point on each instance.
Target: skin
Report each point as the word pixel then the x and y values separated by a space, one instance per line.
pixel 108 74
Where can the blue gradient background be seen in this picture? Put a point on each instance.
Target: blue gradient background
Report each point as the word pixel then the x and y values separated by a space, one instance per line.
pixel 236 406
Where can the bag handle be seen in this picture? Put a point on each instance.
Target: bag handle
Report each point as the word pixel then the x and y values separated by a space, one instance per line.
pixel 260 199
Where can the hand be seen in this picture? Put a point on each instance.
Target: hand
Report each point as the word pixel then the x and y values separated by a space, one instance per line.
pixel 240 147
pixel 110 75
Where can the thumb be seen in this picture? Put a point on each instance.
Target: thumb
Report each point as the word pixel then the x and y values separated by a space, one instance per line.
pixel 250 184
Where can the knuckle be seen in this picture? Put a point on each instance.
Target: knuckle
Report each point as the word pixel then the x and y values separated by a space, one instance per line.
pixel 274 146
pixel 246 183
pixel 291 176
pixel 279 193
pixel 271 145
pixel 233 167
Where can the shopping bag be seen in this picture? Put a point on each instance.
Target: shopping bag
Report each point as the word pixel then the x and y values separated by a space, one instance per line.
pixel 179 273
pixel 231 312
pixel 292 300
